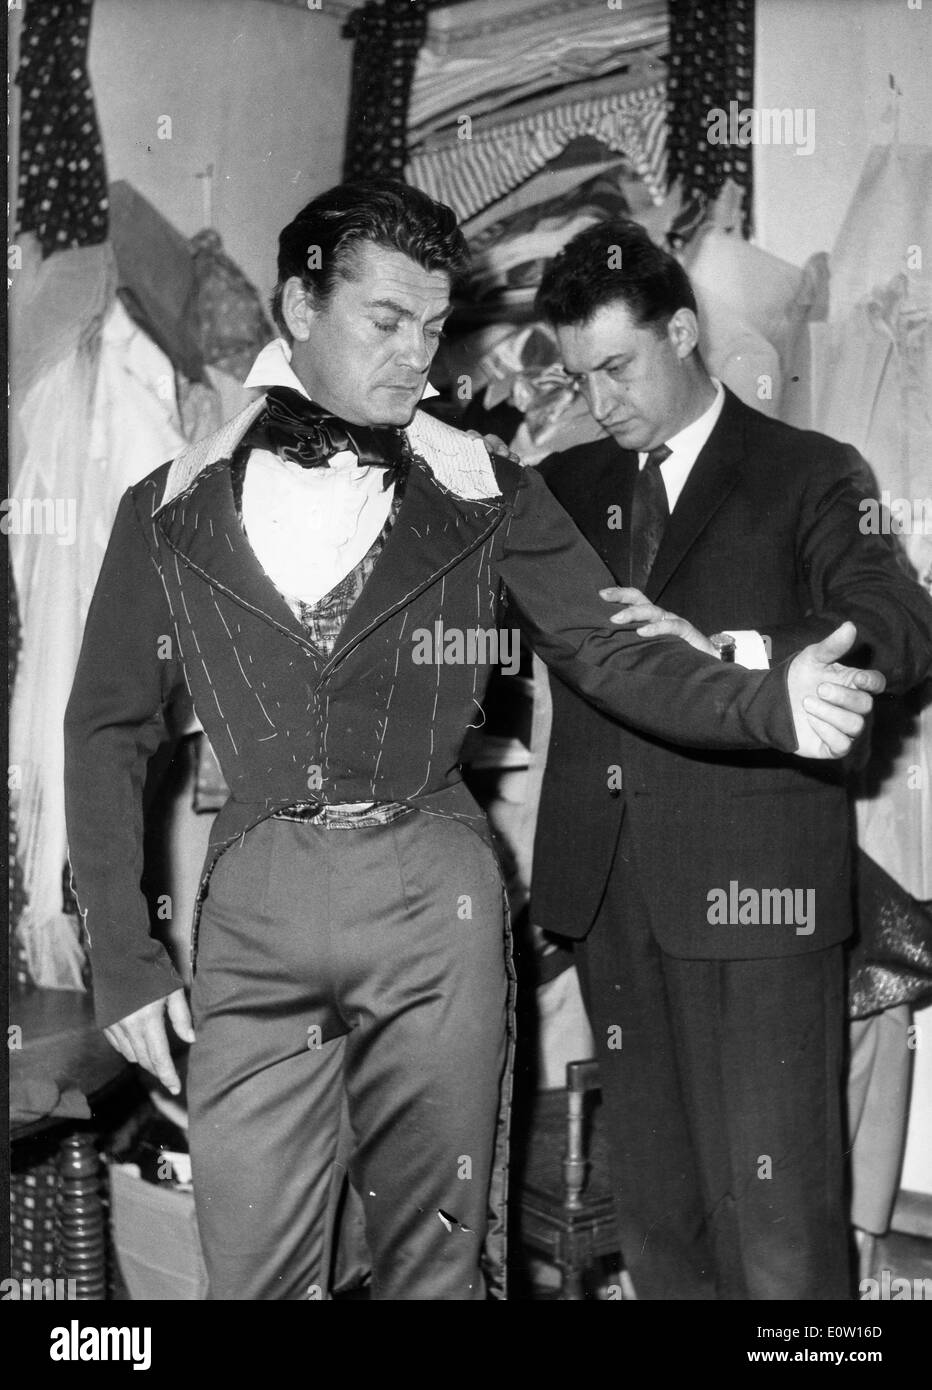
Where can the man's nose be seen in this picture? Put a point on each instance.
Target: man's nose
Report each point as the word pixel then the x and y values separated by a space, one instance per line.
pixel 597 396
pixel 416 352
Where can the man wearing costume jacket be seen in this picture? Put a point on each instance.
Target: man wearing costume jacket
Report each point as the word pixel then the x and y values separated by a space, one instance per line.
pixel 325 575
pixel 710 890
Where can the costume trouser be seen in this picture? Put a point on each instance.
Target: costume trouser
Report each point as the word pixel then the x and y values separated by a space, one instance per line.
pixel 350 1010
pixel 722 1089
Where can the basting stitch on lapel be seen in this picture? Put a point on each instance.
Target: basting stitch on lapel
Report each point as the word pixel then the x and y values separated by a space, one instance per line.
pixel 364 617
pixel 457 473
pixel 388 702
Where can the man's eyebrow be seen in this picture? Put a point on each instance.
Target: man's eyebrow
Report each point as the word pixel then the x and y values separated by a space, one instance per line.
pixel 404 313
pixel 614 359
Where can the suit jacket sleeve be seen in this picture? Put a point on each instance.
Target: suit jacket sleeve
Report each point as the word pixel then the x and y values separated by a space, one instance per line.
pixel 113 725
pixel 850 573
pixel 659 685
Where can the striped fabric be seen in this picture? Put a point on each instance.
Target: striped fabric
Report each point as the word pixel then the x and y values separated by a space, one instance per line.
pixel 487 54
pixel 471 174
pixel 711 52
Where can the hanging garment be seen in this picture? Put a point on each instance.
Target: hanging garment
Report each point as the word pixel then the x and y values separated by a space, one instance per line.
pixel 751 305
pixel 231 323
pixel 100 414
pixel 470 174
pixel 523 368
pixel 711 66
pixel 157 277
pixel 58 309
pixel 205 405
pixel 585 160
pixel 16 896
pixel 62 180
pixel 388 35
pixel 872 378
pixel 890 962
pixel 878 1107
pixel 870 384
pixel 511 254
pixel 467 61
pixel 889 220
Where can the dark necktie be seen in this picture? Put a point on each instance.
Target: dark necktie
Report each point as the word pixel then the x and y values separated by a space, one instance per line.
pixel 650 513
pixel 297 429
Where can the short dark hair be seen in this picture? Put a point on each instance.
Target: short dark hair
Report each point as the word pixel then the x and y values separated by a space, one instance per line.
pixel 610 262
pixel 383 212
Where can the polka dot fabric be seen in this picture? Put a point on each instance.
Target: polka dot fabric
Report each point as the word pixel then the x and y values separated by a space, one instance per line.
pixel 388 36
pixel 711 64
pixel 16 895
pixel 62 175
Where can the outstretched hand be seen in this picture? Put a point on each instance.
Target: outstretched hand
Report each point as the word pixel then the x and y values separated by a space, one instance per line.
pixel 830 702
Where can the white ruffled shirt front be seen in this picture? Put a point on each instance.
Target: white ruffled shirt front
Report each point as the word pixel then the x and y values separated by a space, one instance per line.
pixel 308 526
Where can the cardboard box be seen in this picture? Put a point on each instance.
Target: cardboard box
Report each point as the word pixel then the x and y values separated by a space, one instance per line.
pixel 155 1238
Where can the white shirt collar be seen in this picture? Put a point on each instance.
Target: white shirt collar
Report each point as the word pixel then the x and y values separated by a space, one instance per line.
pixel 685 447
pixel 273 368
pixel 689 442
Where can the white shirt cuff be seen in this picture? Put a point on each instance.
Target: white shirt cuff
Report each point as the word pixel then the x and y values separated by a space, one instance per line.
pixel 750 650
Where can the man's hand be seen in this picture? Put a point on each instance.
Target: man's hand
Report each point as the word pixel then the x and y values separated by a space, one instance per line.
pixel 142 1038
pixel 657 622
pixel 494 445
pixel 830 701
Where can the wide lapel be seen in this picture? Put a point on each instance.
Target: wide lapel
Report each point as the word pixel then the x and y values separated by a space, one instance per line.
pixel 712 477
pixel 202 527
pixel 597 494
pixel 616 489
pixel 434 530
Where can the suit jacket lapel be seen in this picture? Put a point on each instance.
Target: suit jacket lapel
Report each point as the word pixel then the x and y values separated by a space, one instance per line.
pixel 611 486
pixel 712 477
pixel 433 531
pixel 202 527
pixel 596 481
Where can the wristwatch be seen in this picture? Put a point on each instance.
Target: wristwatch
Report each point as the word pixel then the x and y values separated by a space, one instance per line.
pixel 724 644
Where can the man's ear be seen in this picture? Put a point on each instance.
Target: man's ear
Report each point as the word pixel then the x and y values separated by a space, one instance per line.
pixel 297 308
pixel 683 332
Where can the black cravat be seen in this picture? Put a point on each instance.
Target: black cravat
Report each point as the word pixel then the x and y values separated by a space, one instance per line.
pixel 649 515
pixel 297 429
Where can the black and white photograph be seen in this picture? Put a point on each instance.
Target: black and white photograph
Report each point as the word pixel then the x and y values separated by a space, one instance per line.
pixel 468 519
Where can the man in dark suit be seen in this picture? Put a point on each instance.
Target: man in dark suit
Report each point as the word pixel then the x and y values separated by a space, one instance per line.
pixel 709 892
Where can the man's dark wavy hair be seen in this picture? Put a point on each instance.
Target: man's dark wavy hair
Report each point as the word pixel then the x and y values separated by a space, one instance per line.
pixel 382 212
pixel 615 261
